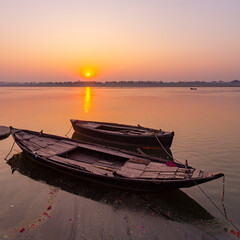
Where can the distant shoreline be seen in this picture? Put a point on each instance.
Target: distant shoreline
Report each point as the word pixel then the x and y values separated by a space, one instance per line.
pixel 193 85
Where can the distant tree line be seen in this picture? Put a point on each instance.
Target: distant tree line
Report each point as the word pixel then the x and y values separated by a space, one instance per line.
pixel 234 83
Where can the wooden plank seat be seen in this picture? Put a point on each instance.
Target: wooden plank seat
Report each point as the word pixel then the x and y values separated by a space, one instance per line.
pixel 161 171
pixel 44 146
pixel 129 173
pixel 57 148
pixel 137 166
pixel 133 168
pixel 50 151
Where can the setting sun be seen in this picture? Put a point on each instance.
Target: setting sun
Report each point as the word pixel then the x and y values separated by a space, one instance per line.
pixel 88 72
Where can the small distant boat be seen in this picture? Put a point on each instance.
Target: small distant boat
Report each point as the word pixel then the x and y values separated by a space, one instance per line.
pixel 193 88
pixel 108 166
pixel 122 134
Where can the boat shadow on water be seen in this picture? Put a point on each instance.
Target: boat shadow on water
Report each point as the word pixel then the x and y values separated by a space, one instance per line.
pixel 168 205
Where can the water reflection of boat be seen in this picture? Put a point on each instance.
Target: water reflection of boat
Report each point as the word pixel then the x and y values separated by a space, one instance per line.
pixel 108 166
pixel 123 134
pixel 173 205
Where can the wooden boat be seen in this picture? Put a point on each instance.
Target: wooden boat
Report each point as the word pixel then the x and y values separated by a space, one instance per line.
pixel 148 202
pixel 121 134
pixel 109 166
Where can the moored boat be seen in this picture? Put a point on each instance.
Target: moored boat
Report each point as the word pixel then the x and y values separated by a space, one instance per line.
pixel 148 202
pixel 108 166
pixel 126 135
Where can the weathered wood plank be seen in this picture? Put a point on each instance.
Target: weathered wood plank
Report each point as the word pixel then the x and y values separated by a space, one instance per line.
pixel 30 146
pixel 149 175
pixel 103 168
pixel 82 158
pixel 50 140
pixel 166 176
pixel 180 176
pixel 196 173
pixel 58 149
pixel 84 166
pixel 131 173
pixel 71 162
pixel 38 141
pixel 128 175
pixel 106 162
pixel 43 152
pixel 160 166
pixel 28 136
pixel 133 165
pixel 17 135
pixel 55 148
pixel 102 172
pixel 21 133
pixel 115 165
pixel 167 173
pixel 125 168
pixel 100 149
pixel 70 143
pixel 65 145
pixel 138 160
pixel 205 174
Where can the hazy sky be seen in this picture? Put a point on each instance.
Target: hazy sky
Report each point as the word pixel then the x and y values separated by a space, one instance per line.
pixel 162 40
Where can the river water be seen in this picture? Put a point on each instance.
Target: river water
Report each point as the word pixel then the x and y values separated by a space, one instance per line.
pixel 38 203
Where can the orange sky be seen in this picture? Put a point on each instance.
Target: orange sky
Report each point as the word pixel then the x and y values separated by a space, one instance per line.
pixel 117 40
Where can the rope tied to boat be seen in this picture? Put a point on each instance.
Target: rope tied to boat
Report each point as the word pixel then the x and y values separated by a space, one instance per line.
pixel 223 194
pixel 10 150
pixel 223 189
pixel 68 131
pixel 223 213
pixel 174 159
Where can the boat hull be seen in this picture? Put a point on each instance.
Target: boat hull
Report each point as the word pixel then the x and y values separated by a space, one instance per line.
pixel 122 183
pixel 124 139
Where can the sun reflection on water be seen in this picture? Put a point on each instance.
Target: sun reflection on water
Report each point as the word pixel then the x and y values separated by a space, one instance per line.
pixel 87 99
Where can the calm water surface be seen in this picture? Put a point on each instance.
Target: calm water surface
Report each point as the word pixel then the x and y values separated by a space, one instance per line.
pixel 45 204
